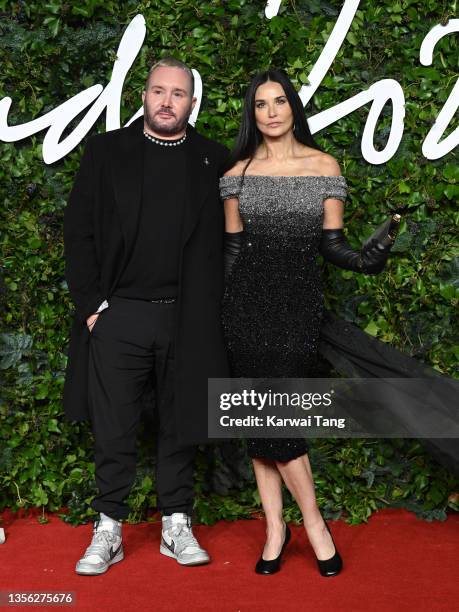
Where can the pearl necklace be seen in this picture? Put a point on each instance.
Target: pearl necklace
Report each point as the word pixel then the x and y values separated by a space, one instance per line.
pixel 164 143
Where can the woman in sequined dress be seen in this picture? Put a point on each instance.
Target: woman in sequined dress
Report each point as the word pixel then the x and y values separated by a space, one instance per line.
pixel 284 201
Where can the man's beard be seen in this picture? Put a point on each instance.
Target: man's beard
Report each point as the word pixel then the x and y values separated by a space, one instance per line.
pixel 170 128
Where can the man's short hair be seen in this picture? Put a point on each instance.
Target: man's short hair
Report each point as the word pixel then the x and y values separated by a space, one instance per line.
pixel 171 62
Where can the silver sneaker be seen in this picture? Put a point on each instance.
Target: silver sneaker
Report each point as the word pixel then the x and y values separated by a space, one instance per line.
pixel 178 541
pixel 105 548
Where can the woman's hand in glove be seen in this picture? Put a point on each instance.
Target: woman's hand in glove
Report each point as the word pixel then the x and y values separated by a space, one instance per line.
pixel 374 257
pixel 335 248
pixel 232 244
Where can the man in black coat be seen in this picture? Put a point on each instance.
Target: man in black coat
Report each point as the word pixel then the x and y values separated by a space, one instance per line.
pixel 143 234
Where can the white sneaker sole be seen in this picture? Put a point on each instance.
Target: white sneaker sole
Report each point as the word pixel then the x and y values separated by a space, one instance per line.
pixel 199 561
pixel 89 571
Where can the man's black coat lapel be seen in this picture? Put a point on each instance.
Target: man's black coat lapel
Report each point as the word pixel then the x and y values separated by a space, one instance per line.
pixel 127 169
pixel 199 162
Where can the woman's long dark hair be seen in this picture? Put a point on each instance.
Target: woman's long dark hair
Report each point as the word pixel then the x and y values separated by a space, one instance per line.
pixel 249 137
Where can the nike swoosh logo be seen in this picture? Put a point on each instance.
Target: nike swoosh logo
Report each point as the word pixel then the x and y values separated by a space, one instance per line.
pixel 114 552
pixel 170 546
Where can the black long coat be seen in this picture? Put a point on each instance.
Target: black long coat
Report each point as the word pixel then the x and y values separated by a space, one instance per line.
pixel 100 227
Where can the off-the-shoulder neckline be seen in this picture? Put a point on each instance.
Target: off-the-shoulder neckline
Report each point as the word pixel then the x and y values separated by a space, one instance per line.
pixel 335 176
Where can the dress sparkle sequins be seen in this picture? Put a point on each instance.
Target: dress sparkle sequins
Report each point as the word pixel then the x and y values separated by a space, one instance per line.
pixel 273 302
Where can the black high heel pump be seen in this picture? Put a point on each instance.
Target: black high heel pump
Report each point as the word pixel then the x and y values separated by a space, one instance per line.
pixel 332 566
pixel 273 566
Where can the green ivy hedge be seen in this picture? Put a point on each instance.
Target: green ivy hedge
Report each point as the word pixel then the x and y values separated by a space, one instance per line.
pixel 50 52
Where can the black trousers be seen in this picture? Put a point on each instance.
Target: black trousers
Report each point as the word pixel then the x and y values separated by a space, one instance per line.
pixel 131 345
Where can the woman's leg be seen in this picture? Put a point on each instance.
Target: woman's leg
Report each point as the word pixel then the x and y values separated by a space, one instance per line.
pixel 269 484
pixel 297 475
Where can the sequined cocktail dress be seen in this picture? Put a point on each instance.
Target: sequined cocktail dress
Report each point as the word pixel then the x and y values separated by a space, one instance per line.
pixel 273 302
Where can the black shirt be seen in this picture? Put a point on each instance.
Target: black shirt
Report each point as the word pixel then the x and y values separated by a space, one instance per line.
pixel 152 270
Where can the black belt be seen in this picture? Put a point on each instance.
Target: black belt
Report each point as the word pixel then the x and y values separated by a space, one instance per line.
pixel 162 300
pixel 168 300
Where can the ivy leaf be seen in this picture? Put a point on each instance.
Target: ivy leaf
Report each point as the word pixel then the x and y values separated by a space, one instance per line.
pixel 53 426
pixel 403 187
pixel 451 172
pixel 402 243
pixel 352 39
pixel 451 191
pixel 40 497
pixel 12 348
pixel 371 328
pixel 53 24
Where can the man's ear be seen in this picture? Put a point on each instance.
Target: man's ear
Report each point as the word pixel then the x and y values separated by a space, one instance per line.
pixel 143 96
pixel 193 102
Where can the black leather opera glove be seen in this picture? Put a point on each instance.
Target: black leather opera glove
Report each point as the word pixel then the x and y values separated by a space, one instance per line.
pixel 369 260
pixel 232 244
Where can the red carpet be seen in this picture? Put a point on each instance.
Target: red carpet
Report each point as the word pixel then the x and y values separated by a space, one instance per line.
pixel 394 563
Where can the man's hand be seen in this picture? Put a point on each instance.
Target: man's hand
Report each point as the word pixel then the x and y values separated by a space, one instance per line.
pixel 91 320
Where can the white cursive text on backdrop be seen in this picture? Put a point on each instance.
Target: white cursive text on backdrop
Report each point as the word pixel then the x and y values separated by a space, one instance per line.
pixel 108 98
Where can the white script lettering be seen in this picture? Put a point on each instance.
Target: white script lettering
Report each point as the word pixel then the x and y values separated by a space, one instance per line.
pixel 108 99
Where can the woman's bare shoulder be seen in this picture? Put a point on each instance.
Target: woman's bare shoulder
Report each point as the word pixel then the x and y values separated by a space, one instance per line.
pixel 328 165
pixel 237 169
pixel 320 163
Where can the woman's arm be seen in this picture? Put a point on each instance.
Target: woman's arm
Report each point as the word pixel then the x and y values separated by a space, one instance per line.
pixel 334 246
pixel 233 237
pixel 233 221
pixel 234 229
pixel 333 208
